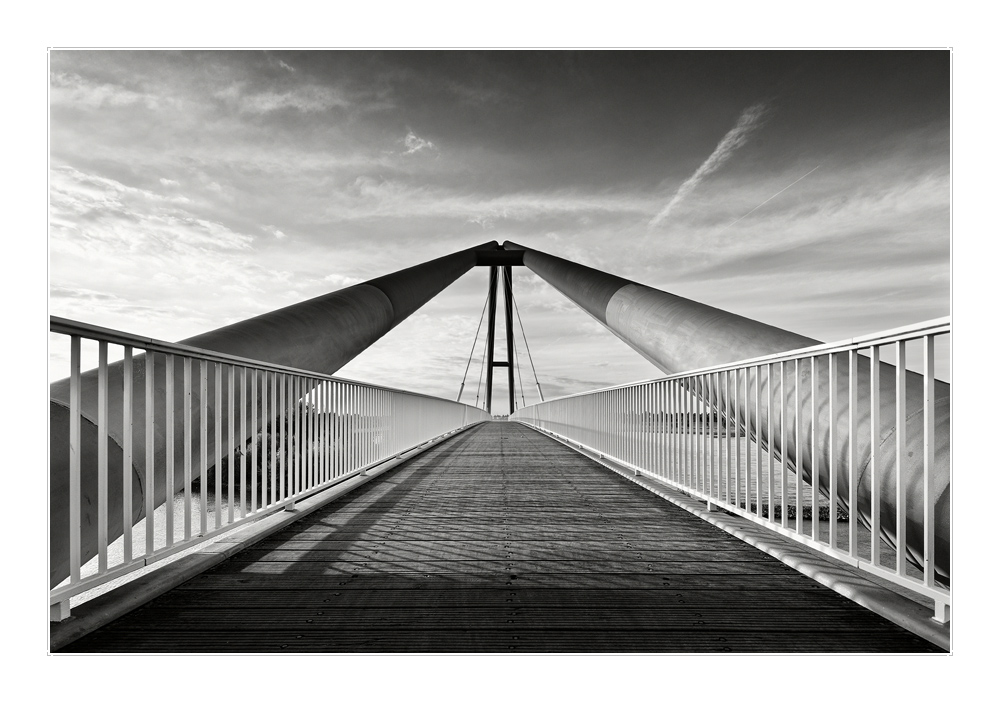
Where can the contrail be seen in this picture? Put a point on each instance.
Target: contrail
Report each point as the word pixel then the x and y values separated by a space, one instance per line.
pixel 767 201
pixel 734 139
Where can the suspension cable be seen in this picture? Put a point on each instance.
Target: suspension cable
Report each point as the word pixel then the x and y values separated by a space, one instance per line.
pixel 473 350
pixel 530 360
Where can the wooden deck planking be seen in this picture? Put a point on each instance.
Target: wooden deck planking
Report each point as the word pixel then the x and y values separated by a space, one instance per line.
pixel 501 540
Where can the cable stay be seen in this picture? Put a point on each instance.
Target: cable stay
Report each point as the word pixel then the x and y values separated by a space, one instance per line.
pixel 473 351
pixel 530 360
pixel 517 365
pixel 482 367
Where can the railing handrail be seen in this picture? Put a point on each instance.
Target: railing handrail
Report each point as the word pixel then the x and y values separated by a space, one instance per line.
pixel 62 325
pixel 940 325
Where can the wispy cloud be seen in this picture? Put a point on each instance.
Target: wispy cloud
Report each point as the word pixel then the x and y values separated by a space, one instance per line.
pixel 414 143
pixel 308 98
pixel 342 281
pixel 751 118
pixel 73 89
pixel 367 198
pixel 272 230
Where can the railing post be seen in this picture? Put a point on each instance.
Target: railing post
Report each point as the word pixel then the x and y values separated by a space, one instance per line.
pixel 942 611
pixel 59 611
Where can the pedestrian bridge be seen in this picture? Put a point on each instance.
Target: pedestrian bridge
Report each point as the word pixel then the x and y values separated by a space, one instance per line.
pixel 227 494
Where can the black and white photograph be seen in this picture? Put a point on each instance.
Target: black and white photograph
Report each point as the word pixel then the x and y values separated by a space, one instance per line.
pixel 552 352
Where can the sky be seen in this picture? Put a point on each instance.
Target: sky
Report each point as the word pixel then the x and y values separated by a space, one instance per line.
pixel 806 189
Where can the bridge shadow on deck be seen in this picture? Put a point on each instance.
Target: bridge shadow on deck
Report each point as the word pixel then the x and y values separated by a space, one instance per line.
pixel 501 540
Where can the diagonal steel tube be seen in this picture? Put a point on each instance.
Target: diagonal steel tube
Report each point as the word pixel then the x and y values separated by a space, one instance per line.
pixel 677 335
pixel 319 335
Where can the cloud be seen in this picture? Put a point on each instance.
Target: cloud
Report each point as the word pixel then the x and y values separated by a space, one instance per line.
pixel 342 281
pixel 88 210
pixel 368 198
pixel 270 229
pixel 168 183
pixel 308 98
pixel 73 89
pixel 286 66
pixel 488 219
pixel 414 143
pixel 751 118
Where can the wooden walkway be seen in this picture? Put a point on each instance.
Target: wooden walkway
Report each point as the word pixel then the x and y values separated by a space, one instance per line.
pixel 501 540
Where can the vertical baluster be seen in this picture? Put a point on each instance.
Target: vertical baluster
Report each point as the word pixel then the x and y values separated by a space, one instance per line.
pixel 758 474
pixel 203 463
pixel 703 420
pixel 681 429
pixel 900 456
pixel 739 419
pixel 635 444
pixel 661 436
pixel 168 472
pixel 833 452
pixel 618 424
pixel 231 426
pixel 852 441
pixel 816 479
pixel 366 445
pixel 798 450
pixel 322 416
pixel 102 457
pixel 733 438
pixel 746 436
pixel 243 442
pixel 309 463
pixel 282 428
pixel 254 457
pixel 769 438
pixel 150 488
pixel 218 445
pixel 338 418
pixel 714 435
pixel 928 460
pixel 296 443
pixel 783 469
pixel 876 422
pixel 127 456
pixel 349 443
pixel 188 448
pixel 706 430
pixel 74 458
pixel 266 440
pixel 725 458
pixel 274 434
pixel 331 457
pixel 315 446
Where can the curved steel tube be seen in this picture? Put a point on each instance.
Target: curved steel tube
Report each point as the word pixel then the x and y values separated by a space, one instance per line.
pixel 319 335
pixel 677 334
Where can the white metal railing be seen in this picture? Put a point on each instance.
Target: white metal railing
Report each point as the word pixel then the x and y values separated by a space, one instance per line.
pixel 216 439
pixel 773 438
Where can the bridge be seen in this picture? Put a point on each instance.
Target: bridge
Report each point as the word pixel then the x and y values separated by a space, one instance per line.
pixel 227 493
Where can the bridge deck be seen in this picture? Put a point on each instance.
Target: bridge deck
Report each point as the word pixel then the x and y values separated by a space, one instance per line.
pixel 501 540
